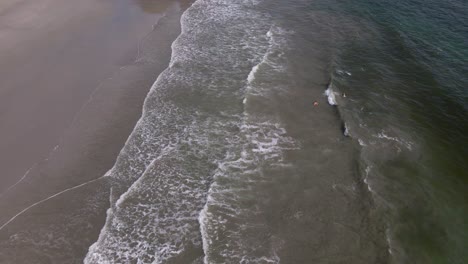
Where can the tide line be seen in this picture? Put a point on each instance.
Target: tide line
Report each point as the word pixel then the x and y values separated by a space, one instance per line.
pixel 46 199
pixel 19 181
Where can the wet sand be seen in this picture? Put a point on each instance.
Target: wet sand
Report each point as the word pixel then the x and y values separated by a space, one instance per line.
pixel 53 55
pixel 73 79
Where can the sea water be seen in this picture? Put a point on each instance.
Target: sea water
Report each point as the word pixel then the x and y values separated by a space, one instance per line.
pixel 233 162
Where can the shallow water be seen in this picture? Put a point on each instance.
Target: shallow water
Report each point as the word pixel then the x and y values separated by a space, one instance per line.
pixel 298 132
pixel 232 163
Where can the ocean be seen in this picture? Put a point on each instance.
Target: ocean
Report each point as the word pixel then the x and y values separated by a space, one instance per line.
pixel 299 131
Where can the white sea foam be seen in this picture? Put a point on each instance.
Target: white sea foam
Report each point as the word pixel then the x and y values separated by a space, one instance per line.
pixel 361 142
pixel 366 179
pixel 251 76
pixel 331 95
pixel 162 175
pixel 226 224
pixel 389 241
pixel 269 33
pixel 229 226
pixel 401 141
pixel 133 161
pixel 346 130
pixel 343 72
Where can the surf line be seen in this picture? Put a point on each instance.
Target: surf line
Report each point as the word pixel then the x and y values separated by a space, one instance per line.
pixel 48 198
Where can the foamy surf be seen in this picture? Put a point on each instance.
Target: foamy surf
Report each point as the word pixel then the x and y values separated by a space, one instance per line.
pixel 227 225
pixel 162 175
pixel 208 171
pixel 331 96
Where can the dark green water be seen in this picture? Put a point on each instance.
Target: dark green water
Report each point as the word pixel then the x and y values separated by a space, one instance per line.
pixel 405 76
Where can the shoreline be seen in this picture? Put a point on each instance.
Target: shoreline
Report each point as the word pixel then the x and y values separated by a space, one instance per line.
pixel 87 150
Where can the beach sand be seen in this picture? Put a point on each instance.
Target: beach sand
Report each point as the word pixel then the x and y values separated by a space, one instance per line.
pixel 74 75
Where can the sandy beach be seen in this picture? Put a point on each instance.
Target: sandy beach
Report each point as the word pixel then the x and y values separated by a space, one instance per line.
pixel 53 56
pixel 74 75
pixel 220 131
